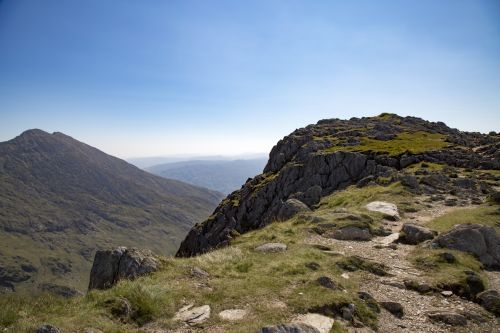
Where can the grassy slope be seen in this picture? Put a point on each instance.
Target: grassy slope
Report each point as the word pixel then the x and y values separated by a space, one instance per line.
pixel 239 278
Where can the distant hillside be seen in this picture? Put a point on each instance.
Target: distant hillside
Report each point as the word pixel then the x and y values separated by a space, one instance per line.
pixel 220 175
pixel 61 199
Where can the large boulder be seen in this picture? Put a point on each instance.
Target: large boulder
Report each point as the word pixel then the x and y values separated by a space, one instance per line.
pixel 412 233
pixel 110 266
pixel 480 240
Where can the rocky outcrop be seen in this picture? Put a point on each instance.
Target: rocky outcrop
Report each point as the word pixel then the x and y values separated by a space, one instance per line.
pixel 260 200
pixel 315 161
pixel 110 266
pixel 482 241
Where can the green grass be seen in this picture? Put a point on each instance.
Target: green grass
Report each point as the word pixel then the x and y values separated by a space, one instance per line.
pixel 485 214
pixel 239 277
pixel 406 142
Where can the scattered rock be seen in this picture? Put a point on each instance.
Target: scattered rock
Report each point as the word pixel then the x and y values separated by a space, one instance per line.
pixel 193 316
pixel 92 330
pixel 348 312
pixel 233 314
pixel 369 300
pixel 326 282
pixel 56 289
pixel 480 240
pixel 389 239
pixel 199 273
pixel 271 247
pixel 390 210
pixel 352 233
pixel 420 287
pixel 447 293
pixel 119 307
pixel 289 328
pixel 47 328
pixel 290 208
pixel 448 257
pixel 414 234
pixel 490 300
pixel 448 317
pixel 110 266
pixel 393 307
pixel 322 324
pixel 313 266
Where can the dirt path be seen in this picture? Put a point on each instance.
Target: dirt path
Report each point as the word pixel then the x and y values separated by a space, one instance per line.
pixel 392 288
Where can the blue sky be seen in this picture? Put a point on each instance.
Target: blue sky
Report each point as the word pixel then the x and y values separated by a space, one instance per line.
pixel 142 78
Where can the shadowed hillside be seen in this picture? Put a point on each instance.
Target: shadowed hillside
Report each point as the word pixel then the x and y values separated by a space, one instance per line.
pixel 61 199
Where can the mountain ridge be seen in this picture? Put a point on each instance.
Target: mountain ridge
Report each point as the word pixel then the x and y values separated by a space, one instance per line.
pixel 62 196
pixel 319 159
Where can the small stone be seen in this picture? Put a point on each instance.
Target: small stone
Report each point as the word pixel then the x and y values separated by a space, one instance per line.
pixel 119 307
pixel 413 234
pixel 47 328
pixel 326 282
pixel 448 257
pixel 193 316
pixel 345 276
pixel 348 312
pixel 199 273
pixel 289 328
pixel 321 323
pixel 390 210
pixel 233 314
pixel 447 293
pixel 394 308
pixel 271 247
pixel 448 317
pixel 490 300
pixel 92 330
pixel 313 266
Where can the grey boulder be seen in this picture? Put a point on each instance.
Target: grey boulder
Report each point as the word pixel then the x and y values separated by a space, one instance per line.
pixel 110 266
pixel 290 208
pixel 413 234
pixel 480 240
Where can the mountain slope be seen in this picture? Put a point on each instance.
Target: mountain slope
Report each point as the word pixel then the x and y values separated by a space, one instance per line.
pixel 61 199
pixel 319 159
pixel 403 237
pixel 219 175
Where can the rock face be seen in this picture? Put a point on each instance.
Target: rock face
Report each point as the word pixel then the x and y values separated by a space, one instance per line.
pixel 414 234
pixel 480 240
pixel 315 161
pixel 110 266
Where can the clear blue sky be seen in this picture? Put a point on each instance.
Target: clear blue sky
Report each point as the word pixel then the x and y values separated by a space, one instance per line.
pixel 139 78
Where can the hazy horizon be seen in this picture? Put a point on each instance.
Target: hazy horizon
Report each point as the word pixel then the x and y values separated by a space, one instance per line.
pixel 226 78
